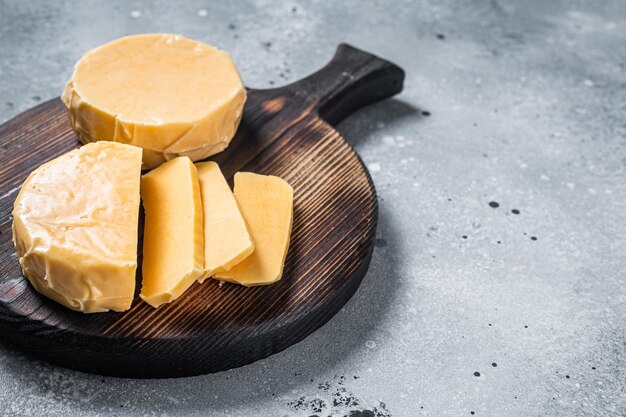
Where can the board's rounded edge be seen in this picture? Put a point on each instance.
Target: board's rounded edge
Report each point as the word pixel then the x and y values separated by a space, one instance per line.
pixel 78 357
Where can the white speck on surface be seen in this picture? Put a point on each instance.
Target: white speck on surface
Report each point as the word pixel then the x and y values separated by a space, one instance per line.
pixel 11 191
pixel 544 177
pixel 570 185
pixel 135 14
pixel 203 12
pixel 370 344
pixel 389 140
pixel 374 167
pixel 592 191
pixel 588 83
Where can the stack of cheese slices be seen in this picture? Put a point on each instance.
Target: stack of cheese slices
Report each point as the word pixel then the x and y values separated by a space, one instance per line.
pixel 156 102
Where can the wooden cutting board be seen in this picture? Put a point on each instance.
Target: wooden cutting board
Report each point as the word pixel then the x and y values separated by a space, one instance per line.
pixel 286 131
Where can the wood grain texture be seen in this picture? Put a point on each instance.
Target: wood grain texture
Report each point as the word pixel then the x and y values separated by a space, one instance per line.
pixel 285 132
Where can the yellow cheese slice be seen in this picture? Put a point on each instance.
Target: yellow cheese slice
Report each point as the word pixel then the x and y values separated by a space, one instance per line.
pixel 170 95
pixel 173 247
pixel 226 238
pixel 266 203
pixel 75 227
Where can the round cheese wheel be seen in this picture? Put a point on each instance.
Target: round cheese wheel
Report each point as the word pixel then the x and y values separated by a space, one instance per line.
pixel 170 95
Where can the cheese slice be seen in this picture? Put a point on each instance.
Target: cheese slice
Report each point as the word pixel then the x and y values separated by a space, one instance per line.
pixel 226 238
pixel 75 227
pixel 173 247
pixel 170 95
pixel 266 203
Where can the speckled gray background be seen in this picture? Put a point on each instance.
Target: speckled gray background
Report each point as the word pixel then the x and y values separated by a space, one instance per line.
pixel 528 109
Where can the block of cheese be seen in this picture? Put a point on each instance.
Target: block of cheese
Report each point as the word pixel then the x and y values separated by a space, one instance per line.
pixel 168 94
pixel 266 203
pixel 173 247
pixel 226 238
pixel 75 227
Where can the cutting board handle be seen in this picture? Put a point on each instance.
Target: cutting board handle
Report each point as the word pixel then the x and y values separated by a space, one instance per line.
pixel 351 80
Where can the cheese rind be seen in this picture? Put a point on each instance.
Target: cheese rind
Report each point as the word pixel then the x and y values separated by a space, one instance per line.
pixel 75 227
pixel 168 94
pixel 226 238
pixel 173 243
pixel 266 203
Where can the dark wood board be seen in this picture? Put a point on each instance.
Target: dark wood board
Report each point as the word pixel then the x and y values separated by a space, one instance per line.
pixel 285 131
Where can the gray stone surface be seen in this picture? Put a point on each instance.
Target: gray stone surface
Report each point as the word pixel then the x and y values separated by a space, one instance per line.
pixel 527 103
